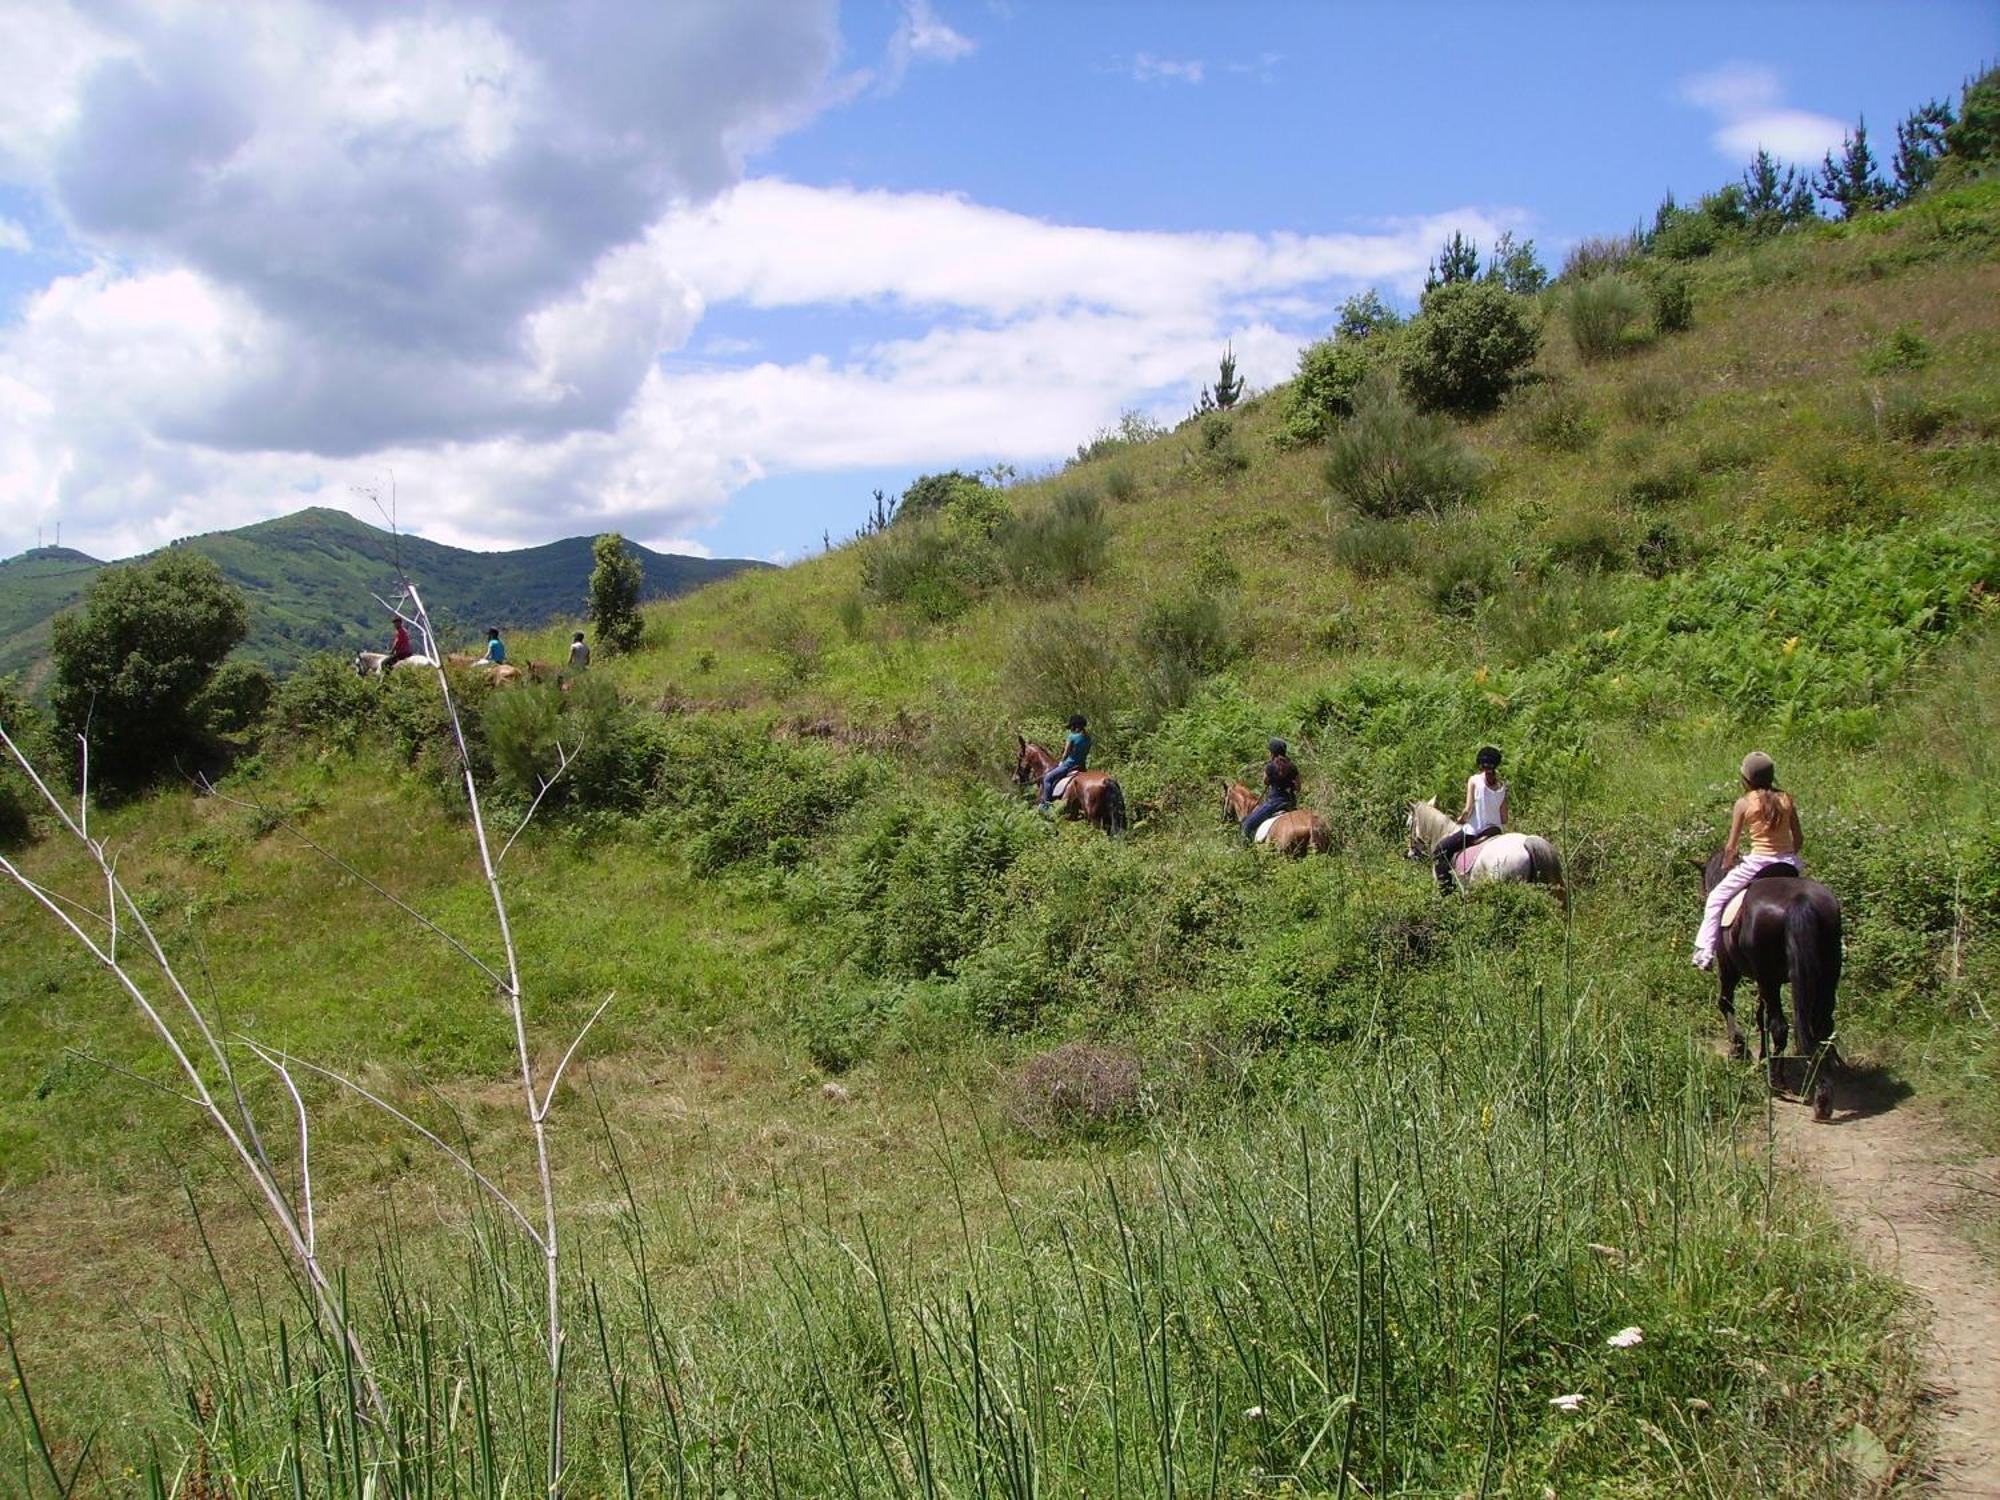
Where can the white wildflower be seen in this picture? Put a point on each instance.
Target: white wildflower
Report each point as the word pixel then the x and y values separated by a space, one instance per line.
pixel 1625 1338
pixel 1254 1414
pixel 1570 1402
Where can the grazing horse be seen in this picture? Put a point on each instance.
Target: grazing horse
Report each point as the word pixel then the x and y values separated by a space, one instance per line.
pixel 1502 856
pixel 1784 929
pixel 375 663
pixel 1296 833
pixel 1093 796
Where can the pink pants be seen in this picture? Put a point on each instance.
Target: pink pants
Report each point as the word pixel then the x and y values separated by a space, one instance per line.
pixel 1734 879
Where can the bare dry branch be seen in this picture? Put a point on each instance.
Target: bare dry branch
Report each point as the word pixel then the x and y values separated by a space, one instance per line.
pixel 562 765
pixel 548 1098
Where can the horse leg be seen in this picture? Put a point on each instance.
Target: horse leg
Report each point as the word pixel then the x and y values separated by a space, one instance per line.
pixel 1772 1033
pixel 1727 1002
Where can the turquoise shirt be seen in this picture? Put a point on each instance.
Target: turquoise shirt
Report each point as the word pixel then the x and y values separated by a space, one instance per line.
pixel 1076 749
pixel 495 651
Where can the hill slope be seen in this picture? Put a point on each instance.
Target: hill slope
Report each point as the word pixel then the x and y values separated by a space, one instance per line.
pixel 308 577
pixel 1347 1185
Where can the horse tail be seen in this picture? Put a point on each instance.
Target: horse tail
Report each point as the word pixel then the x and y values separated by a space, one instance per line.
pixel 1544 868
pixel 1114 807
pixel 1812 944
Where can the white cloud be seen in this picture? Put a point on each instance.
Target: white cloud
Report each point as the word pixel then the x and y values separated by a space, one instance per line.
pixel 1746 100
pixel 14 238
pixel 922 37
pixel 1147 68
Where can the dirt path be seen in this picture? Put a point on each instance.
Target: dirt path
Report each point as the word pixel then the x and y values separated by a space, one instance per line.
pixel 1901 1183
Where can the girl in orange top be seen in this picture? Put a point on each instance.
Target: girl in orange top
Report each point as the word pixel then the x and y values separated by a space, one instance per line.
pixel 1771 819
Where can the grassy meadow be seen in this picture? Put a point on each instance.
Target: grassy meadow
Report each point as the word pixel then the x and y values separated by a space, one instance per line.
pixel 929 1148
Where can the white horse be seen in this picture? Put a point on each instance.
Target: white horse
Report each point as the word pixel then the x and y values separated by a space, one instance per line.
pixel 369 663
pixel 1504 856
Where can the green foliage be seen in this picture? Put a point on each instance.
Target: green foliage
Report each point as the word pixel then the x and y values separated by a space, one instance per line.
pixel 1374 548
pixel 1853 184
pixel 938 562
pixel 1774 201
pixel 1120 486
pixel 1597 254
pixel 615 582
pixel 1228 388
pixel 1672 295
pixel 1391 460
pixel 1215 450
pixel 28 730
pixel 731 793
pixel 1364 315
pixel 1457 262
pixel 1058 661
pixel 1057 545
pixel 1686 235
pixel 1920 146
pixel 1133 429
pixel 131 659
pixel 1181 640
pixel 1663 481
pixel 1651 400
pixel 1466 346
pixel 1973 139
pixel 1515 266
pixel 1904 349
pixel 235 699
pixel 934 494
pixel 1462 578
pixel 523 732
pixel 1601 312
pixel 1330 373
pixel 1552 418
pixel 324 700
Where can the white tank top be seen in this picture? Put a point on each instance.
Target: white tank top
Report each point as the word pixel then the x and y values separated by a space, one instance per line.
pixel 1486 802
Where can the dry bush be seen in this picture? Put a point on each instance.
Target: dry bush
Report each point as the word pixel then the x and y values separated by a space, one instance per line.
pixel 1078 1089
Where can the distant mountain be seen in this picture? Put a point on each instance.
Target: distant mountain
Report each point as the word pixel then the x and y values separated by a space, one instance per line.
pixel 308 578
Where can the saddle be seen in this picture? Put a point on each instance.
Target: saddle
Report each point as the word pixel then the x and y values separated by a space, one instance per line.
pixel 1735 907
pixel 1061 788
pixel 1466 858
pixel 1264 828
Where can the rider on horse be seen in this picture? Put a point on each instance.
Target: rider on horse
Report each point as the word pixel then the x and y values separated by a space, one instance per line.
pixel 401 647
pixel 1772 820
pixel 1281 790
pixel 1076 751
pixel 1485 814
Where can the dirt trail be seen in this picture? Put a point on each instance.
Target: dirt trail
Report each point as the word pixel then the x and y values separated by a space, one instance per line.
pixel 1901 1182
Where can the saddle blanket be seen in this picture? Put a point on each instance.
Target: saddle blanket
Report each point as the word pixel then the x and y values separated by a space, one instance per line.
pixel 1062 787
pixel 1264 828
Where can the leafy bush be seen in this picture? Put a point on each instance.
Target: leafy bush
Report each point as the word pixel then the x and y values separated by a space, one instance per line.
pixel 1058 545
pixel 1133 428
pixel 1330 373
pixel 1904 349
pixel 134 653
pixel 1600 253
pixel 1120 485
pixel 1552 418
pixel 29 731
pixel 1687 235
pixel 1601 312
pixel 1663 482
pixel 931 567
pixel 1216 450
pixel 324 700
pixel 1652 400
pixel 1903 415
pixel 1664 549
pixel 1589 540
pixel 1060 663
pixel 931 495
pixel 523 729
pixel 1182 640
pixel 1465 347
pixel 235 699
pixel 731 793
pixel 1462 578
pixel 1390 460
pixel 1534 619
pixel 1374 548
pixel 616 581
pixel 1672 296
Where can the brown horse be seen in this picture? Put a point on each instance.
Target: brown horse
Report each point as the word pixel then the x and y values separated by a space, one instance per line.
pixel 1093 796
pixel 501 676
pixel 1296 833
pixel 1787 931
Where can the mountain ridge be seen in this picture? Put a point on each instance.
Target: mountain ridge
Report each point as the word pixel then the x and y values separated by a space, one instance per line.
pixel 309 577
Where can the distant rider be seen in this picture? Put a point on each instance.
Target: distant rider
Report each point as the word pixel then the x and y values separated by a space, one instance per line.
pixel 1076 753
pixel 1772 820
pixel 579 652
pixel 401 647
pixel 496 650
pixel 1281 790
pixel 1484 815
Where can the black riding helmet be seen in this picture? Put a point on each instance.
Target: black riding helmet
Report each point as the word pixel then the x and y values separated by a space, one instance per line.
pixel 1077 722
pixel 1276 747
pixel 1489 758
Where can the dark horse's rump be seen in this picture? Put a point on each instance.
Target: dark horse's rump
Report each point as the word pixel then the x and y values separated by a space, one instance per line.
pixel 1787 932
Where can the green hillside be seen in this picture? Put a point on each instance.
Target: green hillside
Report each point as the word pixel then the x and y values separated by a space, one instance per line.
pixel 308 577
pixel 928 1147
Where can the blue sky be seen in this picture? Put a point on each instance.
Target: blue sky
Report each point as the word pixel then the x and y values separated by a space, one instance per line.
pixel 711 273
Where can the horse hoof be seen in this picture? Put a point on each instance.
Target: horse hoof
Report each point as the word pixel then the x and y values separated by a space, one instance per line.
pixel 1822 1104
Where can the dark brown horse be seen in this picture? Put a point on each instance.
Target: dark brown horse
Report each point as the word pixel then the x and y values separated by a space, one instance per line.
pixel 1090 795
pixel 1787 931
pixel 1296 833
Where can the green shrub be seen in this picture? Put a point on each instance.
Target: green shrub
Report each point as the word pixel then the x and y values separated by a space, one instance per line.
pixel 1672 296
pixel 1464 349
pixel 324 700
pixel 1059 545
pixel 1133 429
pixel 1903 415
pixel 1552 418
pixel 1464 577
pixel 1590 540
pixel 1120 485
pixel 931 495
pixel 852 612
pixel 27 728
pixel 1216 451
pixel 1663 482
pixel 1663 549
pixel 1390 460
pixel 616 583
pixel 1848 487
pixel 1600 253
pixel 931 567
pixel 1214 570
pixel 1322 392
pixel 1059 663
pixel 1904 349
pixel 793 640
pixel 1601 313
pixel 1374 548
pixel 1687 235
pixel 1651 400
pixel 523 729
pixel 1181 640
pixel 729 792
pixel 235 699
pixel 1530 620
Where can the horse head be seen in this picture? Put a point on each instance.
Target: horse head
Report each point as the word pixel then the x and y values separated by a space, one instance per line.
pixel 1024 766
pixel 1413 829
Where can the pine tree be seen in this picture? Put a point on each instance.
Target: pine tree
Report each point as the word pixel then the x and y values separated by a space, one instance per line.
pixel 1920 146
pixel 1458 261
pixel 1516 266
pixel 1974 137
pixel 615 583
pixel 1774 200
pixel 1854 183
pixel 1228 386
